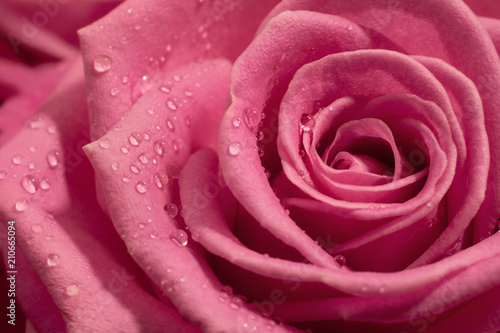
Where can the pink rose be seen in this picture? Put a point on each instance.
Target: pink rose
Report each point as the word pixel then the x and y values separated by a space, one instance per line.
pixel 302 165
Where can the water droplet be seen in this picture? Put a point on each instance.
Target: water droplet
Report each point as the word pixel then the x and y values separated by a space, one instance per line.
pixel 3 174
pixel 171 209
pixel 260 135
pixel 267 173
pixel 141 225
pixel 151 111
pixel 171 105
pixel 252 118
pixel 49 236
pixel 125 79
pixel 115 165
pixel 102 64
pixel 161 179
pixel 153 235
pixel 160 147
pixel 53 260
pixel 134 168
pixel 52 129
pixel 30 240
pixel 176 144
pixel 17 159
pixel 72 290
pixel 234 148
pixel 30 184
pixel 261 152
pixel 37 123
pixel 114 91
pixel 236 303
pixel 44 184
pixel 53 158
pixel 177 78
pixel 21 205
pixel 307 122
pixel 37 228
pixel 126 179
pixel 31 165
pixel 340 260
pixel 135 139
pixel 124 149
pixel 165 90
pixel 143 158
pixel 302 153
pixel 32 148
pixel 179 237
pixel 170 124
pixel 141 187
pixel 188 120
pixel 104 144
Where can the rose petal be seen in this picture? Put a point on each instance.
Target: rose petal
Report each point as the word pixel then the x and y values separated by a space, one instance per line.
pixel 64 236
pixel 190 31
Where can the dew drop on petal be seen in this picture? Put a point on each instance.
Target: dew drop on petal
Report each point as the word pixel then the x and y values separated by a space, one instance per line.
pixel 114 91
pixel 141 187
pixel 188 92
pixel 188 120
pixel 31 165
pixel 165 90
pixel 153 235
pixel 307 122
pixel 53 158
pixel 17 159
pixel 134 168
pixel 126 179
pixel 234 148
pixel 143 158
pixel 161 179
pixel 135 139
pixel 340 260
pixel 37 228
pixel 141 225
pixel 260 135
pixel 44 184
pixel 302 153
pixel 171 209
pixel 30 184
pixel 3 174
pixel 21 205
pixel 53 260
pixel 170 124
pixel 160 147
pixel 37 123
pixel 179 237
pixel 52 129
pixel 115 165
pixel 171 105
pixel 102 64
pixel 176 145
pixel 30 240
pixel 252 118
pixel 104 144
pixel 236 122
pixel 72 290
pixel 124 149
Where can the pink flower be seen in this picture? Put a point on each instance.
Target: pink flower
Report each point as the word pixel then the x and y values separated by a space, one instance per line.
pixel 234 166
